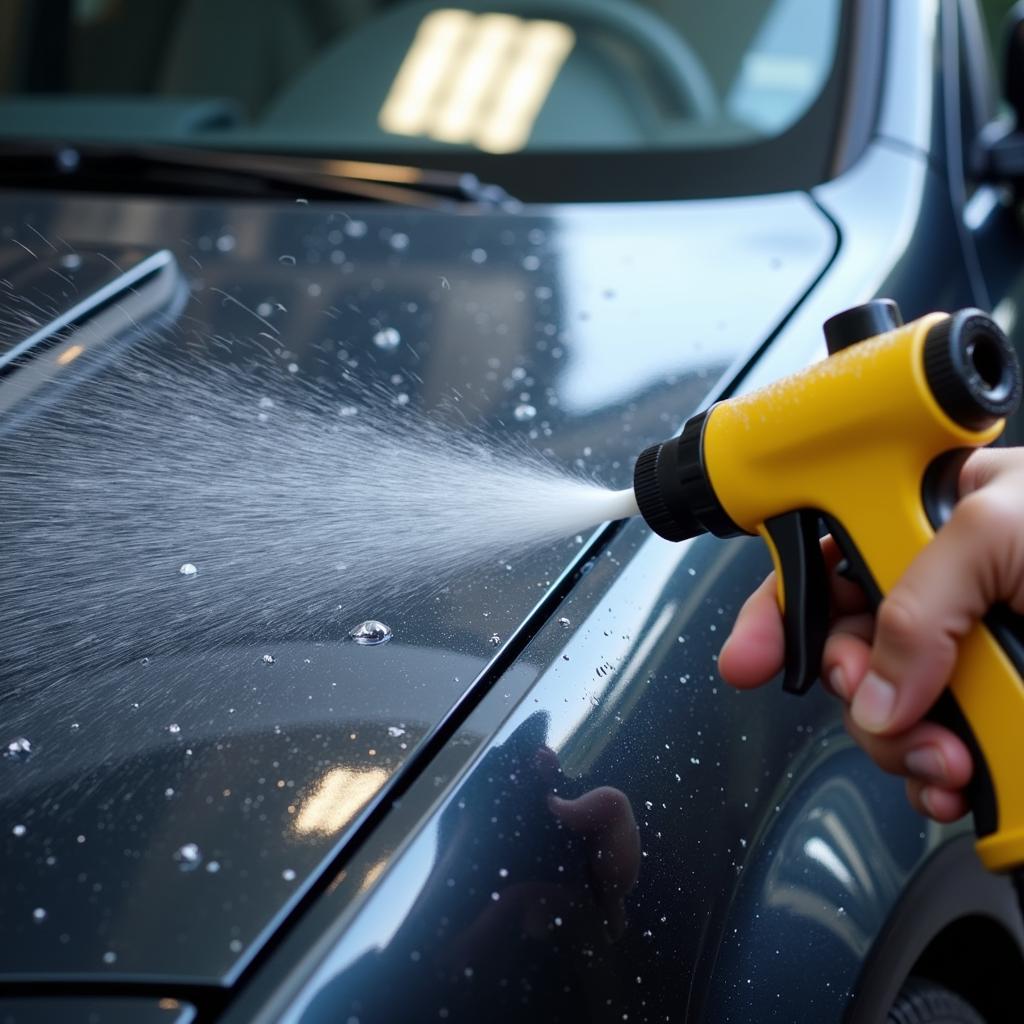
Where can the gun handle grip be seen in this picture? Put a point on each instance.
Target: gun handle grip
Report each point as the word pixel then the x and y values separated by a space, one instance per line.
pixel 984 706
pixel 980 791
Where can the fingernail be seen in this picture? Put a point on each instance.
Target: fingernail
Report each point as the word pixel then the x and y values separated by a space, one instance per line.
pixel 926 763
pixel 928 799
pixel 873 703
pixel 837 680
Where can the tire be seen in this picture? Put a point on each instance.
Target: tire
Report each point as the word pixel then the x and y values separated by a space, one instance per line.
pixel 924 1002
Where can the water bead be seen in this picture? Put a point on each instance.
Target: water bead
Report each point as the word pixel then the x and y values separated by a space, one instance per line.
pixel 387 339
pixel 371 632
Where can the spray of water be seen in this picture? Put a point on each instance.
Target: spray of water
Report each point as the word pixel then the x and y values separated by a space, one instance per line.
pixel 155 509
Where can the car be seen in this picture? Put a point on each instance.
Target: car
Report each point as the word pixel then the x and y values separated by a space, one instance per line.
pixel 292 730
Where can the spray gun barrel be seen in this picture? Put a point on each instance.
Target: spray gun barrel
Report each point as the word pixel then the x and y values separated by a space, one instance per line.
pixel 869 441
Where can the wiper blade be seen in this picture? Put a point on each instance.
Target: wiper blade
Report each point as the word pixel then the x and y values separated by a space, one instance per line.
pixel 195 170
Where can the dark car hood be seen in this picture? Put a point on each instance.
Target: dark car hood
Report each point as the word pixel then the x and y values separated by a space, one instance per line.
pixel 177 799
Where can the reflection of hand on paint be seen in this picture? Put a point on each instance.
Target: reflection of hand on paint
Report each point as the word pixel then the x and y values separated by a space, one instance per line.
pixel 604 818
pixel 890 668
pixel 602 822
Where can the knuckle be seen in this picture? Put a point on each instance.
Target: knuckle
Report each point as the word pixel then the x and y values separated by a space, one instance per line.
pixel 990 526
pixel 979 468
pixel 901 621
pixel 987 512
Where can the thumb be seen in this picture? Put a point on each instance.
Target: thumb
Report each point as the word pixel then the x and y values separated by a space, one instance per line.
pixel 974 561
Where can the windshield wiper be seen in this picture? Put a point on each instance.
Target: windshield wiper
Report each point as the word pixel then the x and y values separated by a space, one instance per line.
pixel 193 170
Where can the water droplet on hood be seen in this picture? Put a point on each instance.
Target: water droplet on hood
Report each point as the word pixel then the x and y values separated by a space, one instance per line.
pixel 371 632
pixel 188 856
pixel 394 731
pixel 494 640
pixel 387 339
pixel 268 659
pixel 188 569
pixel 19 749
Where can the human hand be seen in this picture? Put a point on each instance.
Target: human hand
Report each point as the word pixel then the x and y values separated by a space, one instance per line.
pixel 890 668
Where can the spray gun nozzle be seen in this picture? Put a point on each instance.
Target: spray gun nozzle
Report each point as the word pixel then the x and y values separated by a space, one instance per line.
pixel 673 491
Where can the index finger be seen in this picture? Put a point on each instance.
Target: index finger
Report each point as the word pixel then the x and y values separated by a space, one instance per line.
pixel 755 650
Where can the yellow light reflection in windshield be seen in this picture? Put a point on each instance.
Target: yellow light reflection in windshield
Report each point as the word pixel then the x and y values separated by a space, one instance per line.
pixel 408 106
pixel 527 81
pixel 336 799
pixel 483 54
pixel 476 78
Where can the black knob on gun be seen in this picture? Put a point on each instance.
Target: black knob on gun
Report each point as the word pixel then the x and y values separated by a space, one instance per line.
pixel 860 323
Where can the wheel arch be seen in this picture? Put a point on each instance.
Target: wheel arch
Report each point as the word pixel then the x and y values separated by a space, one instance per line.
pixel 956 924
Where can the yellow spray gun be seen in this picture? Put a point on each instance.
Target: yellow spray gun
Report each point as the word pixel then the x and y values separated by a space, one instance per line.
pixel 870 442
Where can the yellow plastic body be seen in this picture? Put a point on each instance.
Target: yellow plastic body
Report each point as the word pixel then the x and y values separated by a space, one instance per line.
pixel 852 436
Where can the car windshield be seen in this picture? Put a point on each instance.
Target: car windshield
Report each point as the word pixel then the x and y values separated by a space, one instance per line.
pixel 472 86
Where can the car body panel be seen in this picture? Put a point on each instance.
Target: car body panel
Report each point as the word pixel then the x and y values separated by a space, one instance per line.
pixel 468 905
pixel 802 891
pixel 785 879
pixel 188 737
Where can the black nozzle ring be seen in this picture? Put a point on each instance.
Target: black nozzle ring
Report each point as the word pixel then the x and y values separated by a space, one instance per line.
pixel 972 369
pixel 673 491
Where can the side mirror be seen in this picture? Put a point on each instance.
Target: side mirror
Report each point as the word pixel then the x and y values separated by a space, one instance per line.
pixel 1000 155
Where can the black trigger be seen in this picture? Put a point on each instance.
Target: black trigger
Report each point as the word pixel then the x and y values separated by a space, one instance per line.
pixel 805 589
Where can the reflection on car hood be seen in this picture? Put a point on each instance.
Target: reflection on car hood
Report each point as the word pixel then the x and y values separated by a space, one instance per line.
pixel 171 807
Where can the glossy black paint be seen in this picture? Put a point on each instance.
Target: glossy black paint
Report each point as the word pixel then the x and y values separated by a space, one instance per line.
pixel 751 815
pixel 769 853
pixel 831 843
pixel 143 746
